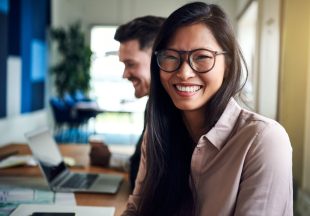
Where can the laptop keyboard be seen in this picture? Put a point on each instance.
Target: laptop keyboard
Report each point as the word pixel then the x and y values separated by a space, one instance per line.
pixel 78 180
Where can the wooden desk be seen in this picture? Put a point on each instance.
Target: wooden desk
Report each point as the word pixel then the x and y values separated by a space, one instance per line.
pixel 80 154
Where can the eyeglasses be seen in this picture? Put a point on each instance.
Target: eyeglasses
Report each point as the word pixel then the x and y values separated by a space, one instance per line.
pixel 200 60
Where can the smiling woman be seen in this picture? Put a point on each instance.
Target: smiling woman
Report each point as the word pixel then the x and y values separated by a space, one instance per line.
pixel 209 155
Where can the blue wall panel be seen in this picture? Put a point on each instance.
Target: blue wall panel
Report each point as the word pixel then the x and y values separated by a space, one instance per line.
pixel 38 92
pixel 3 63
pixel 34 22
pixel 41 13
pixel 38 60
pixel 23 29
pixel 14 28
pixel 26 37
pixel 4 6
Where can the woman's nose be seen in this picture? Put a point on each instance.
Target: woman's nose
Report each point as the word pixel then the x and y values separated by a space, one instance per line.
pixel 185 71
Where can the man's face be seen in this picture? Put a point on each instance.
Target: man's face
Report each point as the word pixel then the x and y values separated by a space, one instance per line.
pixel 137 66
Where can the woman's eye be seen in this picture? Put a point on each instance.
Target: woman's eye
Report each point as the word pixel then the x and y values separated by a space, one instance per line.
pixel 202 57
pixel 171 58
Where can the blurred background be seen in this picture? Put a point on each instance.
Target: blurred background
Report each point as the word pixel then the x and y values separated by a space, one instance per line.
pixel 273 34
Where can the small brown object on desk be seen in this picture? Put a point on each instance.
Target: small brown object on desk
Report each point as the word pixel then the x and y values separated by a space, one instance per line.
pixel 99 154
pixel 81 154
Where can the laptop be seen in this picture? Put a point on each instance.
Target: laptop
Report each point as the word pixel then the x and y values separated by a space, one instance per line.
pixel 59 178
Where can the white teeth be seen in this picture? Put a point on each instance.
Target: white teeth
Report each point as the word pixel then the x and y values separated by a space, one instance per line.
pixel 188 88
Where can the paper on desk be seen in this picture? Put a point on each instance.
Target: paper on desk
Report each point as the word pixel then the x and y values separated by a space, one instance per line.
pixel 25 210
pixel 65 198
pixel 28 195
pixel 12 197
pixel 17 160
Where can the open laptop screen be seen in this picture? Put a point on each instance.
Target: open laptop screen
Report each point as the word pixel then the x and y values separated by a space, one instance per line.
pixel 45 151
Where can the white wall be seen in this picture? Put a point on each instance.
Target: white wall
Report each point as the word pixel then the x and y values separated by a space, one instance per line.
pixel 13 106
pixel 12 129
pixel 116 12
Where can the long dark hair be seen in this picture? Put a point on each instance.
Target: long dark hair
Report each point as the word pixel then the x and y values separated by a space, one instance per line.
pixel 167 189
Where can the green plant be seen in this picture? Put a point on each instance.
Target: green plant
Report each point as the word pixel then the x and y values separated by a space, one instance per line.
pixel 71 73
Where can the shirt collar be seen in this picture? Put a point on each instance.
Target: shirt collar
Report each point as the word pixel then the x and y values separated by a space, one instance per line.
pixel 223 127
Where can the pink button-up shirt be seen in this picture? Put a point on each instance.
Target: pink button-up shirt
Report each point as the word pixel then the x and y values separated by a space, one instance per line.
pixel 242 166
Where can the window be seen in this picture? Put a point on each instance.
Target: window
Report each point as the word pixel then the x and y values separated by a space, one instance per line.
pixel 124 113
pixel 247 40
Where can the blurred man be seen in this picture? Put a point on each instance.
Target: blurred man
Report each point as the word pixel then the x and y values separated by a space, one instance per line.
pixel 136 40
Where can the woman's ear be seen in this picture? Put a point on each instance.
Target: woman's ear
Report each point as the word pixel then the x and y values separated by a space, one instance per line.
pixel 227 66
pixel 225 71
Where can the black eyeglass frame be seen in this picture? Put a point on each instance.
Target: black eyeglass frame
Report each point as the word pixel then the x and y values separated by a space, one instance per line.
pixel 189 53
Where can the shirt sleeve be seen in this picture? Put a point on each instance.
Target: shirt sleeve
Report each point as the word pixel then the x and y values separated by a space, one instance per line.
pixel 134 198
pixel 266 181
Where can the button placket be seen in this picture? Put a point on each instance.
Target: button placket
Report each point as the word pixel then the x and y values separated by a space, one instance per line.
pixel 196 163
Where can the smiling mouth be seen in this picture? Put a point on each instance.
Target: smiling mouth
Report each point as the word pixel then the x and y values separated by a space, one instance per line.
pixel 134 81
pixel 189 89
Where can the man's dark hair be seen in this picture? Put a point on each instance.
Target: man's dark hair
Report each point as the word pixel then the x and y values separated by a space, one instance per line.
pixel 144 29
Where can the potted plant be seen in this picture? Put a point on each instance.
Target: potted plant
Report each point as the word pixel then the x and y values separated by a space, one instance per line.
pixel 72 72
